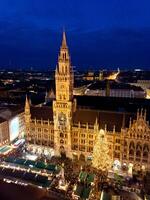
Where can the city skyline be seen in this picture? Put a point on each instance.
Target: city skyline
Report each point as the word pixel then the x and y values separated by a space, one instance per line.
pixel 70 136
pixel 99 34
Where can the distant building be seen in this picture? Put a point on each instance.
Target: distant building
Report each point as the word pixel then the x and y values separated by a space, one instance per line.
pixel 49 96
pixel 91 76
pixel 116 93
pixel 114 89
pixel 4 132
pixel 70 124
pixel 12 124
pixel 145 84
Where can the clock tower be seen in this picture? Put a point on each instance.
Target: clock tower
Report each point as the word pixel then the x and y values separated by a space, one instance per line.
pixel 63 105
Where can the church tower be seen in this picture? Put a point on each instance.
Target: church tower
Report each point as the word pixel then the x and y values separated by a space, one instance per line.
pixel 27 117
pixel 63 105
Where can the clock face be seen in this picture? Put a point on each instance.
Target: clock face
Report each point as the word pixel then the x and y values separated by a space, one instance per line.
pixel 62 119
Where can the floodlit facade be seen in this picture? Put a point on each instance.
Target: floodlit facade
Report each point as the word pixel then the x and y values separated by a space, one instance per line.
pixel 71 129
pixel 4 132
pixel 12 124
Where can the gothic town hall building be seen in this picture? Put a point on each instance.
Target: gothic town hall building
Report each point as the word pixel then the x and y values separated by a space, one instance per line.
pixel 70 127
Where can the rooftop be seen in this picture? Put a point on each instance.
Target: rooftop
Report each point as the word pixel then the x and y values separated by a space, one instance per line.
pixel 107 119
pixel 9 111
pixel 42 112
pixel 113 104
pixel 113 85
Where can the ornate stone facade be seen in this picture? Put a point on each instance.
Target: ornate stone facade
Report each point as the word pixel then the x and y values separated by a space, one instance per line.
pixel 70 129
pixel 137 142
pixel 63 105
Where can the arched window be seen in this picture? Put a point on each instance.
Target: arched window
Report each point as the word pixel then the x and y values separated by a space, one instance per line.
pixel 125 143
pixel 148 137
pixel 145 154
pixel 132 145
pixel 61 141
pixel 63 69
pixel 145 147
pixel 82 157
pixel 138 153
pixel 139 146
pixel 61 135
pixel 131 152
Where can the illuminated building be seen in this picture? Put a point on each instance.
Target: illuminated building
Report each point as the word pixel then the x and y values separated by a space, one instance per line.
pixel 114 89
pixel 116 93
pixel 91 76
pixel 12 124
pixel 71 129
pixel 145 85
pixel 4 132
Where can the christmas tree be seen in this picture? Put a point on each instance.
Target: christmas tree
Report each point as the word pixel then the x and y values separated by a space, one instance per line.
pixel 101 159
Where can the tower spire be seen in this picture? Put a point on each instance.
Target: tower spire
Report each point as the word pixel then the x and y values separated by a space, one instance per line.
pixel 27 106
pixel 64 73
pixel 64 42
pixel 27 103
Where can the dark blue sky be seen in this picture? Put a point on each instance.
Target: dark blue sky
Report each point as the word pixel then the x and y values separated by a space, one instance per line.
pixel 100 33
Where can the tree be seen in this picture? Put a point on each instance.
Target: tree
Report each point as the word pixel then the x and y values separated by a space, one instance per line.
pixel 101 159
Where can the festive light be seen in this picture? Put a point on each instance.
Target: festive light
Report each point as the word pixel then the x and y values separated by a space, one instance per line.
pixel 101 159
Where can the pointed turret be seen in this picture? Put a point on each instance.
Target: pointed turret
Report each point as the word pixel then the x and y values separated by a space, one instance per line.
pixel 51 94
pixel 141 114
pixel 64 42
pixel 64 73
pixel 27 114
pixel 130 122
pixel 27 103
pixel 114 129
pixel 145 114
pixel 96 121
pixel 96 124
pixel 27 106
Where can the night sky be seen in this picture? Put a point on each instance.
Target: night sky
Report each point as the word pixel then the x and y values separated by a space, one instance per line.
pixel 100 33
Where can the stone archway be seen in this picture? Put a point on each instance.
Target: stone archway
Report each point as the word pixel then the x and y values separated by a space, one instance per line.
pixel 75 157
pixel 82 157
